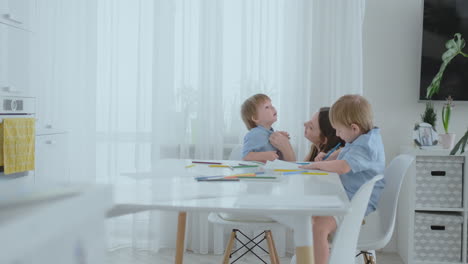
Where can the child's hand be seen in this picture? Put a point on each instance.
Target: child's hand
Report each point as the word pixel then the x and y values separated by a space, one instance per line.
pixel 271 155
pixel 320 156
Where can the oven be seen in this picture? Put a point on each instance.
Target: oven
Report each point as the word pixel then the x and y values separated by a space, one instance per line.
pixel 17 107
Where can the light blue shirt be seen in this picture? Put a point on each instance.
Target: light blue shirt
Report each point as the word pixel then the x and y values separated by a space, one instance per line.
pixel 366 157
pixel 258 140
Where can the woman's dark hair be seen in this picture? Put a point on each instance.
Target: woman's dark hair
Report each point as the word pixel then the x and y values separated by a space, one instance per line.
pixel 326 131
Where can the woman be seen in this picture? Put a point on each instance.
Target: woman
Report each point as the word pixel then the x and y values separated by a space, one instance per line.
pixel 318 130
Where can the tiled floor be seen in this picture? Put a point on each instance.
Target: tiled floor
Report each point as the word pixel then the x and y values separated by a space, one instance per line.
pixel 166 256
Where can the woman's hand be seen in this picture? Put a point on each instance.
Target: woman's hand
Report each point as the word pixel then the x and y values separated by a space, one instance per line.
pixel 280 140
pixel 320 156
pixel 285 133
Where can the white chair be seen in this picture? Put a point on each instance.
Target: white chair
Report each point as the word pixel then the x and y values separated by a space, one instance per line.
pixel 236 153
pixel 346 237
pixel 250 243
pixel 238 222
pixel 372 239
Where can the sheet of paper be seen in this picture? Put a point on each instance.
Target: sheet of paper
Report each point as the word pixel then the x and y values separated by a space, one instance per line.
pixel 280 164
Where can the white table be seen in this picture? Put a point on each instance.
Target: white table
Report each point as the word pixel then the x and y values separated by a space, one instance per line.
pixel 291 200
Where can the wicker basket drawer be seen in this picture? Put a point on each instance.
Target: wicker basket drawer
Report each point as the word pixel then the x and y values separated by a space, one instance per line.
pixel 439 181
pixel 437 237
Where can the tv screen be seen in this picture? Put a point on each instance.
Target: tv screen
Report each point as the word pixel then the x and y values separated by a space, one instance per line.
pixel 442 19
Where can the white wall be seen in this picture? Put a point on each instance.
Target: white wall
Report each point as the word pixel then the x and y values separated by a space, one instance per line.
pixel 392 50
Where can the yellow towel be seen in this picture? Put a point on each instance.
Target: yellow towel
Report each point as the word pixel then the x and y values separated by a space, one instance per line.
pixel 18 144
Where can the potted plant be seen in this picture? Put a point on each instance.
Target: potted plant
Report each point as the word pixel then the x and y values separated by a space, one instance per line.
pixel 454 48
pixel 448 139
pixel 429 116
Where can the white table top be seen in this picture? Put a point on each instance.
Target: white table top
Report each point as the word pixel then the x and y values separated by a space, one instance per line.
pixel 171 186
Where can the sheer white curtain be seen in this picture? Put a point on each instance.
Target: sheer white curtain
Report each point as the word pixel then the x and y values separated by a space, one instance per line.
pixel 170 76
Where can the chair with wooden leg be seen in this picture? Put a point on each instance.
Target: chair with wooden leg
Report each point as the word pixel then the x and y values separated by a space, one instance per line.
pixel 252 243
pixel 239 223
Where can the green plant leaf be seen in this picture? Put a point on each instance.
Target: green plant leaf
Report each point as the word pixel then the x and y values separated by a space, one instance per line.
pixel 454 47
pixel 460 145
pixel 446 112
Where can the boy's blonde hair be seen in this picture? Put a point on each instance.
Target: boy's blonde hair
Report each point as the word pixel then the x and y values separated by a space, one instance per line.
pixel 352 109
pixel 249 109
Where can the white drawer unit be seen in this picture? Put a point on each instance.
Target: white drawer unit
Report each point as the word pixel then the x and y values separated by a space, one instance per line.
pixel 439 181
pixel 432 209
pixel 438 237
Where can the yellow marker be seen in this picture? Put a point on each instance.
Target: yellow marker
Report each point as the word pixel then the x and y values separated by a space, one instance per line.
pixel 190 166
pixel 219 166
pixel 285 170
pixel 315 173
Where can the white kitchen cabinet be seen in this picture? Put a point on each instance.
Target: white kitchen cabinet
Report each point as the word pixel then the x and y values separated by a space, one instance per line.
pixel 15 61
pixel 17 13
pixel 52 159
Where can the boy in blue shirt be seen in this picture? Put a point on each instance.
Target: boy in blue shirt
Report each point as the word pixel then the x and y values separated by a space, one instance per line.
pixel 359 161
pixel 259 115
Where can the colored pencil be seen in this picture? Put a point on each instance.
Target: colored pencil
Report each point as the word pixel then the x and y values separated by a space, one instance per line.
pixel 244 166
pixel 314 173
pixel 206 162
pixel 220 179
pixel 332 150
pixel 293 172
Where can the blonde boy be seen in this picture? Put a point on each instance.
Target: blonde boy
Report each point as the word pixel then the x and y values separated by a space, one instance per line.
pixel 360 160
pixel 259 115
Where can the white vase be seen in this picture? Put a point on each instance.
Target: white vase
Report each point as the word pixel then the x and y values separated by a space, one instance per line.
pixel 447 140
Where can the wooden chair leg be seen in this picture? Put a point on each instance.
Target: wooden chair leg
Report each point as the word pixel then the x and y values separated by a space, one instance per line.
pixel 368 258
pixel 271 248
pixel 274 248
pixel 228 250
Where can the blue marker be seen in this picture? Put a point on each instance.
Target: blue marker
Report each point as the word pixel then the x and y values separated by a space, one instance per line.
pixel 332 150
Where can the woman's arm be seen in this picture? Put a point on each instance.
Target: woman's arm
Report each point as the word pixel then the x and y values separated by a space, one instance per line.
pixel 280 141
pixel 337 166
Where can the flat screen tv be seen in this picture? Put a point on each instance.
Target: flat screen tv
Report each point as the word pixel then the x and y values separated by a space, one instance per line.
pixel 442 19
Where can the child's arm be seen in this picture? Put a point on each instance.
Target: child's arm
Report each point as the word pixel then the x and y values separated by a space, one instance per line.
pixel 337 166
pixel 261 156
